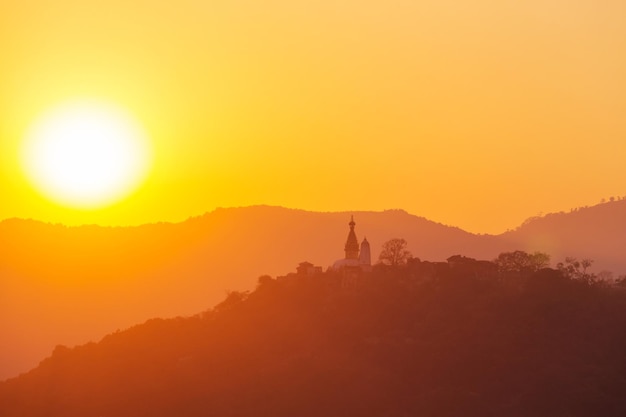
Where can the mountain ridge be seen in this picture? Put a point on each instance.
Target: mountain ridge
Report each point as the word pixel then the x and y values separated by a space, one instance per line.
pixel 70 284
pixel 15 220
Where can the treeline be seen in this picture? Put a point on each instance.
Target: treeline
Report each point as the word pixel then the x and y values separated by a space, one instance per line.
pixel 460 338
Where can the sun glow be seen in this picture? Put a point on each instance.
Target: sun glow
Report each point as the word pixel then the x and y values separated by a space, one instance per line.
pixel 86 155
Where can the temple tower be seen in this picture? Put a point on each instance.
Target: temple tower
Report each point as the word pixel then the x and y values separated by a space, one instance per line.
pixel 365 257
pixel 352 245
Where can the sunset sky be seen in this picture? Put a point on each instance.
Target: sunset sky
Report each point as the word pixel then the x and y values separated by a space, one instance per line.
pixel 476 114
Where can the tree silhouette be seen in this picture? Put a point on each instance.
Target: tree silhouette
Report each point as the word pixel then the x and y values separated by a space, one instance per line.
pixel 520 261
pixel 575 269
pixel 394 252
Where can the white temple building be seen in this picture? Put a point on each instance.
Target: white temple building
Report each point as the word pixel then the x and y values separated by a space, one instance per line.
pixel 355 258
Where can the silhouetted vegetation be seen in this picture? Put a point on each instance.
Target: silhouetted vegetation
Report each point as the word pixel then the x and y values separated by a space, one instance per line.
pixel 456 338
pixel 394 252
pixel 520 261
pixel 575 269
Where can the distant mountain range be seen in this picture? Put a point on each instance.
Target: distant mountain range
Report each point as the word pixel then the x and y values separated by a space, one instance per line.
pixel 70 285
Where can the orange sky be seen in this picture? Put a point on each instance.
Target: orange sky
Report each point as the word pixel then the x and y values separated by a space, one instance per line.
pixel 477 114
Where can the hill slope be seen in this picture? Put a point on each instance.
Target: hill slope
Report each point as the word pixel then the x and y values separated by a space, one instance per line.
pixel 70 285
pixel 394 344
pixel 597 232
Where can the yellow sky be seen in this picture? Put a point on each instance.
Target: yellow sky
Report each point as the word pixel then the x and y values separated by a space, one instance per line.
pixel 476 114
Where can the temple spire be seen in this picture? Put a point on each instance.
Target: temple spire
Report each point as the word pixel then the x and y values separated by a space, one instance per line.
pixel 352 245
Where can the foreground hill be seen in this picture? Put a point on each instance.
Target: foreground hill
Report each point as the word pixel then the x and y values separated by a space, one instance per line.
pixel 70 285
pixel 393 343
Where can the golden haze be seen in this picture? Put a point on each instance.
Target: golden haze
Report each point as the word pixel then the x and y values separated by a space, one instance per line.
pixel 475 114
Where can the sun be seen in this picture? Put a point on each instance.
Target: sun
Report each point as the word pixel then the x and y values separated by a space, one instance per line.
pixel 86 154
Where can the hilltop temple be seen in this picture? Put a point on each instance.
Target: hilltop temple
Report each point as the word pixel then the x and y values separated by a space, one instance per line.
pixel 356 261
pixel 355 258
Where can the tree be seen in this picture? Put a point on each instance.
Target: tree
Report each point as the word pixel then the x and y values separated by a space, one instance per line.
pixel 520 261
pixel 264 280
pixel 233 298
pixel 394 252
pixel 621 281
pixel 575 269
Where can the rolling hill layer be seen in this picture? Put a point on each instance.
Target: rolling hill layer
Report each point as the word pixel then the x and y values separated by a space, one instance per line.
pixel 70 285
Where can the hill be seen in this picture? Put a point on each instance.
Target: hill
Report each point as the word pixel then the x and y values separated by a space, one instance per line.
pixel 393 343
pixel 70 285
pixel 597 232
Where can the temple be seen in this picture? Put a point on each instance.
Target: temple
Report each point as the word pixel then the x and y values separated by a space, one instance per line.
pixel 357 259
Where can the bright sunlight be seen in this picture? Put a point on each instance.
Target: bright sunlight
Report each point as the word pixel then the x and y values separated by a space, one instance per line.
pixel 86 154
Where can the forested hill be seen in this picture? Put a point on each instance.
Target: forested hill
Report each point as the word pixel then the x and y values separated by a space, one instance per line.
pixel 430 339
pixel 70 285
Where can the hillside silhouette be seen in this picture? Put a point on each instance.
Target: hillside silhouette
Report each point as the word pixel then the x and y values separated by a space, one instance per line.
pixel 430 339
pixel 70 285
pixel 597 232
